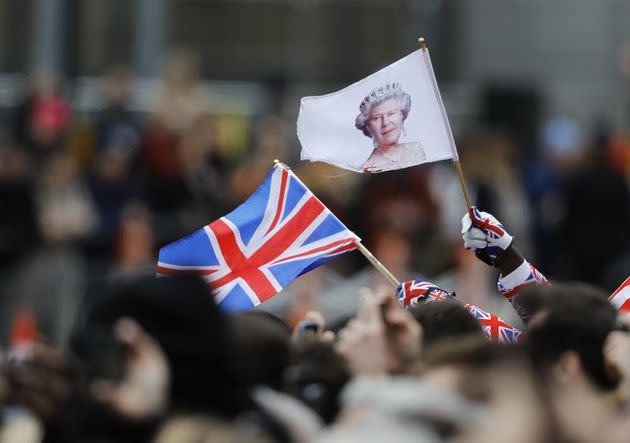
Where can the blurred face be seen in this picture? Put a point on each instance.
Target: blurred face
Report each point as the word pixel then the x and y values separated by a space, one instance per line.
pixel 385 122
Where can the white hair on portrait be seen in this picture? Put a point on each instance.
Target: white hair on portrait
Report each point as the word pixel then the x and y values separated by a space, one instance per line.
pixel 378 96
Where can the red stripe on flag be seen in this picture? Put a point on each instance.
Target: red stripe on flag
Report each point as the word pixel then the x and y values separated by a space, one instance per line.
pixel 282 239
pixel 240 266
pixel 321 248
pixel 281 200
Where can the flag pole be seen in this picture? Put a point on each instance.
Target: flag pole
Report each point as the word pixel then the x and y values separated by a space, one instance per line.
pixel 377 264
pixel 363 250
pixel 458 166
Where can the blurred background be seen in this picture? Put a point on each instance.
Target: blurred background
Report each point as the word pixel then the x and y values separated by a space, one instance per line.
pixel 126 124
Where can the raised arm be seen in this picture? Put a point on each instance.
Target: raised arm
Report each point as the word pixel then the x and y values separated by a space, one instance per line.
pixel 492 244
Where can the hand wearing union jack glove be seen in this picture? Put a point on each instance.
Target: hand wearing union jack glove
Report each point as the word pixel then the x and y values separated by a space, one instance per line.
pixel 415 292
pixel 485 235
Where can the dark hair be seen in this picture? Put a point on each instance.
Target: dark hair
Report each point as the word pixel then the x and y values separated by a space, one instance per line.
pixel 445 319
pixel 316 376
pixel 181 315
pixel 570 317
pixel 471 352
pixel 261 342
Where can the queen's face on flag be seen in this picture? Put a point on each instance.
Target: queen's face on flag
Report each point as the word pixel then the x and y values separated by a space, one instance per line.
pixel 383 112
pixel 382 115
pixel 385 122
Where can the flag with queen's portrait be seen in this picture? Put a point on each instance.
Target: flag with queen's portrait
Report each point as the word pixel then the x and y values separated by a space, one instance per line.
pixel 391 119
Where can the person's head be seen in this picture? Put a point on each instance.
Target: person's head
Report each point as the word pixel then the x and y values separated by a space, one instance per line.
pixel 382 113
pixel 566 333
pixel 497 377
pixel 179 313
pixel 262 344
pixel 316 376
pixel 445 320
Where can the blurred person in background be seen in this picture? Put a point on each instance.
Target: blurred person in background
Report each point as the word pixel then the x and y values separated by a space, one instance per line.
pixel 500 382
pixel 116 120
pixel 566 340
pixel 66 211
pixel 597 201
pixel 203 170
pixel 270 142
pixel 262 343
pixel 42 119
pixel 51 282
pixel 176 359
pixel 316 373
pixel 381 340
pixel 181 101
pixel 19 231
pixel 544 180
pixel 134 242
pixel 113 183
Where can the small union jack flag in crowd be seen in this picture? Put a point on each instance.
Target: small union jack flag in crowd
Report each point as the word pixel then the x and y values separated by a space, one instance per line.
pixel 621 297
pixel 248 256
pixel 413 292
pixel 494 328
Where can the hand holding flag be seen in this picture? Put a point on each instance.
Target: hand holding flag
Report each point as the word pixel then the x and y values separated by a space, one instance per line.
pixel 485 235
pixel 415 292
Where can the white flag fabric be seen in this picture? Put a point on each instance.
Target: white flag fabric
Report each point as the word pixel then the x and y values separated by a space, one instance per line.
pixel 392 119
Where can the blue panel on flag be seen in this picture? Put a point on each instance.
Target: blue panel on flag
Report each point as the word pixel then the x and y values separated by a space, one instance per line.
pixel 285 272
pixel 330 226
pixel 194 250
pixel 236 300
pixel 249 215
pixel 296 192
pixel 317 263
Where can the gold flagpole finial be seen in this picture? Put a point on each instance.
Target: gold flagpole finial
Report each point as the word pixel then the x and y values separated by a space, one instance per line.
pixel 423 44
pixel 278 162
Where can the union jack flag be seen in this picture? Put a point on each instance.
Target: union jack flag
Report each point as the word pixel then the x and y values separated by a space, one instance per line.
pixel 248 256
pixel 413 292
pixel 492 325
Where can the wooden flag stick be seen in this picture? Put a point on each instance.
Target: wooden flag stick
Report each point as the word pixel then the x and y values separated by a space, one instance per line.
pixel 458 166
pixel 462 181
pixel 377 264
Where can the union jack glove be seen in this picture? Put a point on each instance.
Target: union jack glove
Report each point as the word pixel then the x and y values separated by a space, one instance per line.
pixel 485 235
pixel 415 292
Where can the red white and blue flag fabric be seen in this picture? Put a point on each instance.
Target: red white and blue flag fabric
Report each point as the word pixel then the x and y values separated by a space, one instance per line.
pixel 248 256
pixel 415 292
pixel 493 326
pixel 621 297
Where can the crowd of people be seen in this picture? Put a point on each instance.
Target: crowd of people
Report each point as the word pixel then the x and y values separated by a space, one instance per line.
pixel 96 349
pixel 156 360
